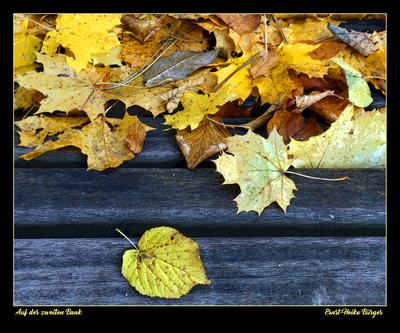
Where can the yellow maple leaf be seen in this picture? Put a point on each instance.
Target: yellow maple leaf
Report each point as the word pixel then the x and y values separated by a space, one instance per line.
pixel 165 264
pixel 356 140
pixel 309 30
pixel 85 35
pixel 35 129
pixel 197 106
pixel 66 90
pixel 105 147
pixel 291 56
pixel 25 46
pixel 258 166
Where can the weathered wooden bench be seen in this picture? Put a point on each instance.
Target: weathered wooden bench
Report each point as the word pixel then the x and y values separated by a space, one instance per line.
pixel 328 249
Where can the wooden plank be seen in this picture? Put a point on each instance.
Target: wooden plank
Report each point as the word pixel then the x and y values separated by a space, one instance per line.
pixel 299 270
pixel 78 203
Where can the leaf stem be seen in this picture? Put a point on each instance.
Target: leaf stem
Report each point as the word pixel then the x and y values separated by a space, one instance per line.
pixel 280 29
pixel 318 178
pixel 246 63
pixel 132 243
pixel 227 125
pixel 265 35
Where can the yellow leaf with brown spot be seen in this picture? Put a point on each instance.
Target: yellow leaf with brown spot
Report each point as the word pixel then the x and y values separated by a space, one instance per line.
pixel 85 35
pixel 103 141
pixel 166 264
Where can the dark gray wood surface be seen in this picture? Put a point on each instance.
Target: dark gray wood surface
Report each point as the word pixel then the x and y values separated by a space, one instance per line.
pixel 268 271
pixel 80 203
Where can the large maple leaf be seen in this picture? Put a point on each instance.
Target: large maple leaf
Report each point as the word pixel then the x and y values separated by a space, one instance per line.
pixel 258 165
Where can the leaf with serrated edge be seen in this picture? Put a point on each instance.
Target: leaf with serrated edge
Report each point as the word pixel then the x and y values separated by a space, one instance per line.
pixel 167 264
pixel 105 148
pixel 355 140
pixel 260 166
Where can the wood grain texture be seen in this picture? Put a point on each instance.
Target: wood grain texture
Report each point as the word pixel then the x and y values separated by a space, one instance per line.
pixel 80 203
pixel 298 270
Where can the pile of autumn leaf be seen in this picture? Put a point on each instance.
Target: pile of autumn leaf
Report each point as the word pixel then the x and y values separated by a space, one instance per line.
pixel 196 70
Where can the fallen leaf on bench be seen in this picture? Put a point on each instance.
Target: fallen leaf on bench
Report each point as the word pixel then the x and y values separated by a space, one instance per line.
pixel 166 264
pixel 258 166
pixel 356 140
pixel 106 142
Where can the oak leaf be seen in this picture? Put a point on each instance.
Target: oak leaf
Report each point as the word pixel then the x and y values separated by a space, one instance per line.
pixel 356 140
pixel 137 54
pixel 166 264
pixel 258 165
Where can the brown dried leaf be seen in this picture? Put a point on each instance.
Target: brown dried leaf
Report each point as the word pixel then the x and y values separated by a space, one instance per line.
pixel 329 108
pixel 203 142
pixel 234 110
pixel 264 64
pixel 142 29
pixel 327 49
pixel 305 101
pixel 241 22
pixel 135 137
pixel 293 125
pixel 359 41
pixel 26 98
